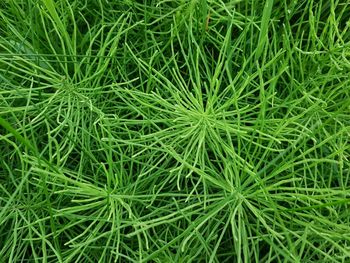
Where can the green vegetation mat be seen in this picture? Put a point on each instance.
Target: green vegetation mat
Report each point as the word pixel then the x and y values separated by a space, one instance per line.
pixel 175 131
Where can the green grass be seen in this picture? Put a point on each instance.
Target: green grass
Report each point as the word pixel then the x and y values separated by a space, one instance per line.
pixel 174 131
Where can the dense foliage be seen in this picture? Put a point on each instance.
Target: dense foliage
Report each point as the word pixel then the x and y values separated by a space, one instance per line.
pixel 174 131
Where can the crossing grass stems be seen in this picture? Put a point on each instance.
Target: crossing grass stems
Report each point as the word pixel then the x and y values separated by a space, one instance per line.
pixel 174 131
